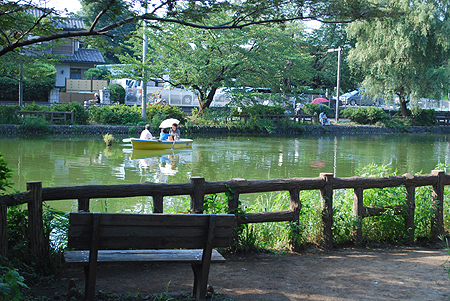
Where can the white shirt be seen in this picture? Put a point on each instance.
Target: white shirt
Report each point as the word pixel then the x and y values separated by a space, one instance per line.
pixel 146 135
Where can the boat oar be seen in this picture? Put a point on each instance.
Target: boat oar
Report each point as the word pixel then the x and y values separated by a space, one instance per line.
pixel 173 143
pixel 126 140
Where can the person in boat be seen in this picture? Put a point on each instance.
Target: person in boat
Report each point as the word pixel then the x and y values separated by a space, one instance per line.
pixel 146 135
pixel 163 136
pixel 174 133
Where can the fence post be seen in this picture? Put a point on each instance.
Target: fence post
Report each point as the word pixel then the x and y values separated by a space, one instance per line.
pixel 295 205
pixel 410 208
pixel 83 205
pixel 358 210
pixel 158 204
pixel 437 224
pixel 35 220
pixel 3 231
pixel 326 204
pixel 198 197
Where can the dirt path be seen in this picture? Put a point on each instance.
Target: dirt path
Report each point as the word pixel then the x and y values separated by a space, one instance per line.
pixel 345 274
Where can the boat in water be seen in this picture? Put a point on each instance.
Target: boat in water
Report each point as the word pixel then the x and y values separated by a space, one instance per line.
pixel 161 144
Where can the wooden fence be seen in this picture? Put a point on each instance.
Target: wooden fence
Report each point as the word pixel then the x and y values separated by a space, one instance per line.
pixel 326 183
pixel 53 115
pixel 277 118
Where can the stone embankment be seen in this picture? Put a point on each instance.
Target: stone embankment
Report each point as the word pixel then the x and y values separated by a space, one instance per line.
pixel 13 130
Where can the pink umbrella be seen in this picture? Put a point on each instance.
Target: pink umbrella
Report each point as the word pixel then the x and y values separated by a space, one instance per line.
pixel 320 99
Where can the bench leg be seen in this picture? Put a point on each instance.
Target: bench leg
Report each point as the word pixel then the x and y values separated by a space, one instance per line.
pixel 200 286
pixel 89 287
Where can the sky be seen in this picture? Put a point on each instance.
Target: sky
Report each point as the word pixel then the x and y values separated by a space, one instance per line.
pixel 71 5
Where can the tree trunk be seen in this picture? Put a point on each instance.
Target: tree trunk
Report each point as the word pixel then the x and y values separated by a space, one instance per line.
pixel 403 103
pixel 209 98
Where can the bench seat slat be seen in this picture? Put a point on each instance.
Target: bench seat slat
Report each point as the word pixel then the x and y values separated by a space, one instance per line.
pixel 153 243
pixel 123 256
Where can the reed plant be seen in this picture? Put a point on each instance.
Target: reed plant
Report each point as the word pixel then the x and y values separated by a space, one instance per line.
pixel 380 230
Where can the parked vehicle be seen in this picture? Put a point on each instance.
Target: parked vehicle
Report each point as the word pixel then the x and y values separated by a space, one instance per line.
pixel 356 98
pixel 157 90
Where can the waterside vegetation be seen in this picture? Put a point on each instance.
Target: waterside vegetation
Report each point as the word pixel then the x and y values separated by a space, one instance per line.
pixel 252 118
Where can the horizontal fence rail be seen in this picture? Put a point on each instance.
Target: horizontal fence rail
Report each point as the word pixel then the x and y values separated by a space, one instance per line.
pixel 198 188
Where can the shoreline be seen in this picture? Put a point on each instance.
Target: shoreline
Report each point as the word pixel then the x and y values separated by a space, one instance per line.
pixel 11 129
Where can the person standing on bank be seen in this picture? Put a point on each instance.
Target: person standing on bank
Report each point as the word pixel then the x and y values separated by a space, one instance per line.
pixel 146 135
pixel 174 133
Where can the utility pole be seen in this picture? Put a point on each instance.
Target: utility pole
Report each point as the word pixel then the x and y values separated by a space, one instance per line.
pixel 144 72
pixel 338 50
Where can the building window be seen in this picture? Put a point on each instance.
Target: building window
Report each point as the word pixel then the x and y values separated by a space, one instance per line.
pixel 75 73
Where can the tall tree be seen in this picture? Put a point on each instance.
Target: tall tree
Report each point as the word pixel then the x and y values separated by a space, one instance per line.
pixel 403 55
pixel 18 30
pixel 325 37
pixel 111 43
pixel 205 60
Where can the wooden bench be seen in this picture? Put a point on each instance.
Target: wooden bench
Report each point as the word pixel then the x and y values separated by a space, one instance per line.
pixel 145 238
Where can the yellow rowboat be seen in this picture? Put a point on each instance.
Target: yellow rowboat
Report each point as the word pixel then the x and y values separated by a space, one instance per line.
pixel 161 144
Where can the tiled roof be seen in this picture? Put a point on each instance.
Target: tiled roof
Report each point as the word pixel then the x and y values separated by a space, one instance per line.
pixel 71 24
pixel 66 23
pixel 85 56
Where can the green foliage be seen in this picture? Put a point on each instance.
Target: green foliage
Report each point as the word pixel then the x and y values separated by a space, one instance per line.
pixel 100 73
pixel 36 124
pixel 81 116
pixel 108 138
pixel 205 60
pixel 33 89
pixel 446 264
pixel 10 284
pixel 402 55
pixel 118 93
pixel 311 108
pixel 365 115
pixel 215 204
pixel 260 109
pixel 5 176
pixel 211 116
pixel 8 115
pixel 157 113
pixel 115 115
pixel 8 89
pixel 55 231
pixel 423 117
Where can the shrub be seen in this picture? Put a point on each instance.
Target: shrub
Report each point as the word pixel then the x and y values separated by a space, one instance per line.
pixel 157 113
pixel 423 117
pixel 8 89
pixel 8 115
pixel 365 115
pixel 33 124
pixel 5 175
pixel 114 115
pixel 81 116
pixel 118 93
pixel 311 108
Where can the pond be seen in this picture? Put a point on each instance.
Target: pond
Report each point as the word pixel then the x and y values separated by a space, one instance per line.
pixel 76 160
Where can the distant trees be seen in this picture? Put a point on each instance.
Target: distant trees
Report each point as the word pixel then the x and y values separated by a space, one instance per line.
pixel 406 54
pixel 204 60
pixel 19 28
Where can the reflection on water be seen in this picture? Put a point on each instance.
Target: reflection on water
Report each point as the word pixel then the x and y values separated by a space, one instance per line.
pixel 159 164
pixel 72 161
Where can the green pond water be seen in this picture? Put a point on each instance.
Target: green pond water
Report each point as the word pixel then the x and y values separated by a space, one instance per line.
pixel 81 160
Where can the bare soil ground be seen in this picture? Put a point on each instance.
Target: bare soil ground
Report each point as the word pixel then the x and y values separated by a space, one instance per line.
pixel 406 273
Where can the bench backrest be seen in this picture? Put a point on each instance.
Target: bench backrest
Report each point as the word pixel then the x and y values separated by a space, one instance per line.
pixel 149 231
